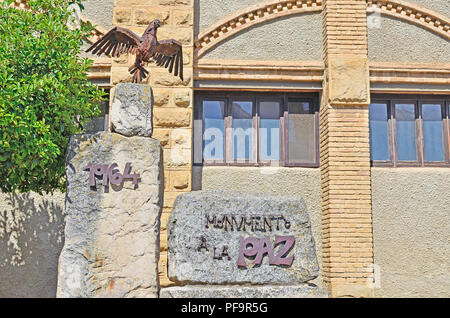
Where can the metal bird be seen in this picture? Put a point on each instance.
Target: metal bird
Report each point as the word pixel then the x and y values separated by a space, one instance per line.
pixel 147 48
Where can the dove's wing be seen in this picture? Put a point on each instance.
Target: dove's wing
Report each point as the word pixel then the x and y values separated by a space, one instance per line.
pixel 117 41
pixel 169 54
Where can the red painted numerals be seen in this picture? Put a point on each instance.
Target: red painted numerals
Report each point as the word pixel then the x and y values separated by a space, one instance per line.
pixel 258 248
pixel 110 174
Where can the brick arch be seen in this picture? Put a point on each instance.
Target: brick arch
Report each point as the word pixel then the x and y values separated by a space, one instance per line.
pixel 249 17
pixel 275 9
pixel 412 13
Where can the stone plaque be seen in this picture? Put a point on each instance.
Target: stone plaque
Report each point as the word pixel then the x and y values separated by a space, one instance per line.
pixel 221 237
pixel 113 208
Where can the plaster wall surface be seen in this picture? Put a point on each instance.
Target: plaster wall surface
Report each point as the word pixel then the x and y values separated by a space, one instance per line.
pixel 439 6
pixel 209 12
pixel 99 11
pixel 411 231
pixel 291 38
pixel 31 238
pixel 393 40
pixel 303 182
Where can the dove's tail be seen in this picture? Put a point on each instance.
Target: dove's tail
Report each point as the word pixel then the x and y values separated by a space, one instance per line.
pixel 139 72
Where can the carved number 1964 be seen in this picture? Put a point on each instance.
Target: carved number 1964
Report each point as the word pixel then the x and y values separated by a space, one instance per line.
pixel 109 174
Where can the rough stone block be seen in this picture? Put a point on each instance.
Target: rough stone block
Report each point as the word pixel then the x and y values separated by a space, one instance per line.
pixel 182 98
pixel 161 97
pixel 269 291
pixel 122 15
pixel 349 80
pixel 132 110
pixel 143 16
pixel 222 237
pixel 172 117
pixel 112 231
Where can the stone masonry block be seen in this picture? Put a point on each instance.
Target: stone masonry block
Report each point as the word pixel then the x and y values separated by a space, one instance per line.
pixel 349 80
pixel 131 111
pixel 172 117
pixel 143 16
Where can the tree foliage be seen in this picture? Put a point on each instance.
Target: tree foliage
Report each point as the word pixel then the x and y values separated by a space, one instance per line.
pixel 45 95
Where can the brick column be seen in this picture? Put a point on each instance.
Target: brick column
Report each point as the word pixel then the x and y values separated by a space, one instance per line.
pixel 173 99
pixel 345 151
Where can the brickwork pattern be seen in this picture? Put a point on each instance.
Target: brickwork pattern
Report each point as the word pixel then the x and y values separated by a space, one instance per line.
pixel 345 27
pixel 347 251
pixel 173 98
pixel 346 195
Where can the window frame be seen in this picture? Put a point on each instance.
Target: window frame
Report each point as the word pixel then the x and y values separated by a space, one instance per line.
pixel 229 146
pixel 391 131
pixel 315 112
pixel 418 101
pixel 225 113
pixel 256 97
pixel 445 127
pixel 281 121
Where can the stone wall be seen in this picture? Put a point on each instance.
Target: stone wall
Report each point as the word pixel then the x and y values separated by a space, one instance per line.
pixel 173 98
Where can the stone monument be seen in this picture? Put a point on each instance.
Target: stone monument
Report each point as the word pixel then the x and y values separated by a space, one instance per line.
pixel 113 205
pixel 231 244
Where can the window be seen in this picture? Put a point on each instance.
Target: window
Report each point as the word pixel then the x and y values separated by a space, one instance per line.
pixel 256 129
pixel 409 131
pixel 100 123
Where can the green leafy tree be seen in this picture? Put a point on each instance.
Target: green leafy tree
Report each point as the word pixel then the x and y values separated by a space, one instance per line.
pixel 45 95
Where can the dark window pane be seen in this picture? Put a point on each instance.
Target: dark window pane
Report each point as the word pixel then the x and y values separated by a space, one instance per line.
pixel 242 130
pixel 301 132
pixel 214 130
pixel 97 124
pixel 406 132
pixel 379 140
pixel 433 138
pixel 269 131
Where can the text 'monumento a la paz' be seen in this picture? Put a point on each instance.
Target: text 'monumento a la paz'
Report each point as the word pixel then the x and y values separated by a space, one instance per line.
pixel 222 242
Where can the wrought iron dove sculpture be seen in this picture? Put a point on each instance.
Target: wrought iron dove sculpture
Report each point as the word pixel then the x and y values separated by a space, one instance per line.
pixel 147 48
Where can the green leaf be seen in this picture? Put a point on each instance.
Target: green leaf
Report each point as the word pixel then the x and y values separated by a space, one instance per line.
pixel 43 90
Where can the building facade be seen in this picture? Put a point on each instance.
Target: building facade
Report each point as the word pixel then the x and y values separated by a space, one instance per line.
pixel 345 103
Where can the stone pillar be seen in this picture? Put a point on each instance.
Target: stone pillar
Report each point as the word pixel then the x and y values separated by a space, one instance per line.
pixel 345 151
pixel 113 205
pixel 173 99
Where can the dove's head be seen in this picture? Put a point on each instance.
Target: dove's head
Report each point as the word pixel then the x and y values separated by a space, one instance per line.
pixel 153 26
pixel 156 23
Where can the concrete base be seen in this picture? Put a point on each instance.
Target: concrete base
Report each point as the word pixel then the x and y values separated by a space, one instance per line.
pixel 247 291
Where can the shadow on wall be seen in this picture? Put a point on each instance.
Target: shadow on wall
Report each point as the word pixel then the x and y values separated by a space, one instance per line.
pixel 31 239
